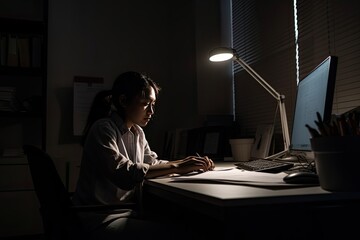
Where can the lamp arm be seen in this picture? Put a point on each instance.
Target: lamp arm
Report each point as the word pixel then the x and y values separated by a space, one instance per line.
pixel 280 100
pixel 284 125
pixel 257 77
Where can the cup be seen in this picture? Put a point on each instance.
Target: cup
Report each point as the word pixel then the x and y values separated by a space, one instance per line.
pixel 241 148
pixel 337 161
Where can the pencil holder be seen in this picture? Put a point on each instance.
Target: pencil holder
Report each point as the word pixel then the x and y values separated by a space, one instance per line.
pixel 337 161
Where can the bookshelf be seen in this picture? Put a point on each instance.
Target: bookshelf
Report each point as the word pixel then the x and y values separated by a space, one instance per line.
pixel 23 78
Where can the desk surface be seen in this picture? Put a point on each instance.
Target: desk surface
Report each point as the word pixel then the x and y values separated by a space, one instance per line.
pixel 223 195
pixel 224 203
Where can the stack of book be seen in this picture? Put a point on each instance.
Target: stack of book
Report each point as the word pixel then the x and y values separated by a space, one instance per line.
pixel 8 100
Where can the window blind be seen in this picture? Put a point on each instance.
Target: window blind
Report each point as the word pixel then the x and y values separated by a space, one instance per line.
pixel 263 35
pixel 332 27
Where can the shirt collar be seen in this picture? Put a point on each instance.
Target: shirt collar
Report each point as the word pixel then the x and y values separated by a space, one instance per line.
pixel 121 124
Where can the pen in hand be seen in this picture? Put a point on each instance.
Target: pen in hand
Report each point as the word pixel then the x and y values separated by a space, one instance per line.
pixel 211 167
pixel 198 155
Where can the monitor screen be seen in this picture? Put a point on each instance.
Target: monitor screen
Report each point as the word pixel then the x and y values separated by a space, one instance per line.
pixel 314 94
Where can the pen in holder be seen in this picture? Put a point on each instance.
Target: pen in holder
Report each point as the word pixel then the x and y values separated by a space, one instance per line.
pixel 336 148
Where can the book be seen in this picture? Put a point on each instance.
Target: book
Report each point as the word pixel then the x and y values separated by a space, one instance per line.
pixel 12 57
pixel 263 137
pixel 8 100
pixel 3 49
pixel 36 44
pixel 24 51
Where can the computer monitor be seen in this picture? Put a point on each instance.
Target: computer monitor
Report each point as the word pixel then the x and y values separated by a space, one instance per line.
pixel 314 94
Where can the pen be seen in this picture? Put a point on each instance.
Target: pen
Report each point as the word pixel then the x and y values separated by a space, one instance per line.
pixel 352 125
pixel 313 132
pixel 321 125
pixel 342 125
pixel 334 129
pixel 357 122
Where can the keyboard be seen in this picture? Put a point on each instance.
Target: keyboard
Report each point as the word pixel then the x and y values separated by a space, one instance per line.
pixel 263 165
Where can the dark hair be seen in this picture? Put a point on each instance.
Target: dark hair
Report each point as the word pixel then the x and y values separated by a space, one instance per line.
pixel 130 84
pixel 100 108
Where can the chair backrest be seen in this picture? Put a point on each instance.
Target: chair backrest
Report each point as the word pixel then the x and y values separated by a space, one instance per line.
pixel 59 221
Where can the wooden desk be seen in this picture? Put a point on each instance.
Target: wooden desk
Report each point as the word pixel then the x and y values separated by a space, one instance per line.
pixel 230 206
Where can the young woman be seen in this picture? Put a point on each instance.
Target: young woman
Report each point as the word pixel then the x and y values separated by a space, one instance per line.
pixel 116 155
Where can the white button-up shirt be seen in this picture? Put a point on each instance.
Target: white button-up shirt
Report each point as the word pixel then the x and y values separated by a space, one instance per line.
pixel 115 160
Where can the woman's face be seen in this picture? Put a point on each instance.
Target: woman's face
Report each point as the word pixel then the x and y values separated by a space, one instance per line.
pixel 140 109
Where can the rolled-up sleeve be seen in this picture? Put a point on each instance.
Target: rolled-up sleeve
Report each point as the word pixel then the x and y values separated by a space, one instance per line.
pixel 128 174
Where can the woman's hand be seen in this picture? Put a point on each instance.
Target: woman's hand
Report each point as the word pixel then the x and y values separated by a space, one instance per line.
pixel 182 166
pixel 193 163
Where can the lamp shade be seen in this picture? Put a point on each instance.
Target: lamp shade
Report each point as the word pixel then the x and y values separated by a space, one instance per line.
pixel 221 54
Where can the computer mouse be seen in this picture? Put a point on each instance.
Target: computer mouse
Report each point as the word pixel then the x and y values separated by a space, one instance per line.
pixel 302 178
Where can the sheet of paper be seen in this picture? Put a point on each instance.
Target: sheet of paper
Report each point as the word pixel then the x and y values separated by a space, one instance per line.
pixel 236 176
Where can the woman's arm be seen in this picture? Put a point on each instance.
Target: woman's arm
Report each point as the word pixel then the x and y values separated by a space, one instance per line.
pixel 182 166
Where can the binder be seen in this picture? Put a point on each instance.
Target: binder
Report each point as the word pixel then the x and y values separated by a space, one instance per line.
pixel 24 51
pixel 3 50
pixel 12 58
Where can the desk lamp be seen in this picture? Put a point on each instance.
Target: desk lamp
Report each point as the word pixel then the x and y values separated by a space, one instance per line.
pixel 221 54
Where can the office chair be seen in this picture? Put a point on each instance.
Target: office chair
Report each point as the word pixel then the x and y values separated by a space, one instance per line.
pixel 60 217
